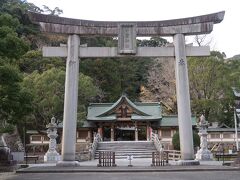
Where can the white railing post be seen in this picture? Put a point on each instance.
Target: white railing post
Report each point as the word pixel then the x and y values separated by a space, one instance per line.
pixel 97 138
pixel 156 142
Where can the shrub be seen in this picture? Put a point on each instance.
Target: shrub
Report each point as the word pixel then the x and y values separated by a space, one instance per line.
pixel 176 140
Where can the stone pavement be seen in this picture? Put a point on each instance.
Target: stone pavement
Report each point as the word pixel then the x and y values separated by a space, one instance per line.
pixel 193 175
pixel 139 165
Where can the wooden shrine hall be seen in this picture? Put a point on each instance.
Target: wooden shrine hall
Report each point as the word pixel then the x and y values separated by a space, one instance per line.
pixel 125 120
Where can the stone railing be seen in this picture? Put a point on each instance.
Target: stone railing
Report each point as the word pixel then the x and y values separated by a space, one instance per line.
pixel 96 139
pixel 156 141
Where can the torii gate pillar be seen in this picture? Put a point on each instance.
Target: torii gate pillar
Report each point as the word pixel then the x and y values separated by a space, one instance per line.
pixel 183 99
pixel 70 103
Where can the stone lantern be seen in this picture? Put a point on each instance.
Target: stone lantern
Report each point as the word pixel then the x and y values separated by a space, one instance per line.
pixel 52 155
pixel 203 153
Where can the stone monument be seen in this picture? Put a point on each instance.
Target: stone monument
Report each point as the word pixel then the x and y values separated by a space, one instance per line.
pixel 203 153
pixel 52 155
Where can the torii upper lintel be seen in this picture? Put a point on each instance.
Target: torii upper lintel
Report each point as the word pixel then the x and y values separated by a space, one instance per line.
pixel 187 26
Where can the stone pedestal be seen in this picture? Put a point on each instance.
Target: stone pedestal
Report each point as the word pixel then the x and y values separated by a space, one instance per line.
pixel 203 153
pixel 185 162
pixel 52 155
pixel 237 160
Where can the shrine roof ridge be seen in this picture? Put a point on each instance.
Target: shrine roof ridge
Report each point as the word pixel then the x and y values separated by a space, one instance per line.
pixel 137 103
pixel 217 129
pixel 213 17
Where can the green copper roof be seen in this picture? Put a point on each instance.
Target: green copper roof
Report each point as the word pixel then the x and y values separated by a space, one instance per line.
pixel 142 111
pixel 169 121
pixel 222 129
pixel 122 99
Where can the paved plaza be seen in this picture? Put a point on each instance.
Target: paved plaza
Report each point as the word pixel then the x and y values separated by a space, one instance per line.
pixel 212 175
pixel 141 170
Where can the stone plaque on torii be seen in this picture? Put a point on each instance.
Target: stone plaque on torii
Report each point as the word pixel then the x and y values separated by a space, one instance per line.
pixel 126 33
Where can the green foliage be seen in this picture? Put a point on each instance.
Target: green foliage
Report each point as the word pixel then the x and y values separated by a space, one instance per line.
pixel 15 101
pixel 56 11
pixel 233 66
pixel 153 42
pixel 48 91
pixel 99 41
pixel 33 61
pixel 7 129
pixel 115 76
pixel 176 140
pixel 18 9
pixel 11 45
pixel 210 87
pixel 9 21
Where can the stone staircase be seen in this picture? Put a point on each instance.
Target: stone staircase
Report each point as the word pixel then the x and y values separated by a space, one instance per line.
pixel 139 149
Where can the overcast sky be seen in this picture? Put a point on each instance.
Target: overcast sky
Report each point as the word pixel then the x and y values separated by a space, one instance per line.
pixel 225 36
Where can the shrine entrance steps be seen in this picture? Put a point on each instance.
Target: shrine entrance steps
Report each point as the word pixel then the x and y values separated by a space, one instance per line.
pixel 138 149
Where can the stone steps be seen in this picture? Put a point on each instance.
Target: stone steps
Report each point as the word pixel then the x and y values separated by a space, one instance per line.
pixel 139 149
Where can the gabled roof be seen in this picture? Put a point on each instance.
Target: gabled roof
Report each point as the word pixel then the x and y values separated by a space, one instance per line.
pixel 223 125
pixel 141 111
pixel 121 100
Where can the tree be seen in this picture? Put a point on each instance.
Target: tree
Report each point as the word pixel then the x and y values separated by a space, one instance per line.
pixel 116 76
pixel 152 42
pixel 202 40
pixel 55 12
pixel 34 61
pixel 210 87
pixel 48 92
pixel 11 45
pixel 176 140
pixel 161 84
pixel 18 9
pixel 15 101
pixel 28 31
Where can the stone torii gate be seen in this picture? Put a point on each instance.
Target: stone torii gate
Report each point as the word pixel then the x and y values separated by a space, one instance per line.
pixel 126 33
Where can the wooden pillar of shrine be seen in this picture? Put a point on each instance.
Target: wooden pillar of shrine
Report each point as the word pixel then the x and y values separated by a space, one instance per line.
pixel 90 135
pixel 148 136
pixel 112 132
pixel 136 131
pixel 100 130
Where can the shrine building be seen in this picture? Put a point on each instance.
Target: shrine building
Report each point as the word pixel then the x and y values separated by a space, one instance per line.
pixel 125 120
